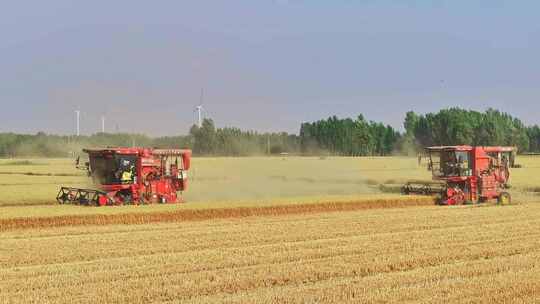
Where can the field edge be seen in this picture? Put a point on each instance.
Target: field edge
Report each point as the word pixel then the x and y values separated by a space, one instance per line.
pixel 9 224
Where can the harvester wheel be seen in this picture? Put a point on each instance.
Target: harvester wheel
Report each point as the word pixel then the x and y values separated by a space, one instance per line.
pixel 102 200
pixel 504 198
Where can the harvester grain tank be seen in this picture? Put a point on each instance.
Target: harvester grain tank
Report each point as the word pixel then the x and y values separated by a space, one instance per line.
pixel 132 175
pixel 467 174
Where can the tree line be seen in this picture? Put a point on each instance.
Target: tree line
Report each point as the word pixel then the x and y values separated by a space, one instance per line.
pixel 206 141
pixel 456 126
pixel 331 136
pixel 209 140
pixel 348 137
pixel 453 126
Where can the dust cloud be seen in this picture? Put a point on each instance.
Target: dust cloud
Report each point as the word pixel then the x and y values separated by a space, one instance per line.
pixel 266 178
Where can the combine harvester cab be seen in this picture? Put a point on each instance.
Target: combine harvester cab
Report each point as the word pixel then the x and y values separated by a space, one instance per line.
pixel 132 176
pixel 466 174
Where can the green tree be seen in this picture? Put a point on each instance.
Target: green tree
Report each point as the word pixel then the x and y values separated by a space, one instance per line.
pixel 204 137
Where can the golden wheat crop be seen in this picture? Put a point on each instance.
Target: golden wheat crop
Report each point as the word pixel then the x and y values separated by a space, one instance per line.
pixel 225 179
pixel 421 254
pixel 320 232
pixel 252 179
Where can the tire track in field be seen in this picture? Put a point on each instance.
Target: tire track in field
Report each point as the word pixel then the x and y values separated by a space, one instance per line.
pixel 207 214
pixel 394 282
pixel 268 243
pixel 315 275
pixel 339 251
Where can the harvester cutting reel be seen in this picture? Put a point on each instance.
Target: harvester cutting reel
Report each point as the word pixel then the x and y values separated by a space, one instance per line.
pixel 422 188
pixel 88 197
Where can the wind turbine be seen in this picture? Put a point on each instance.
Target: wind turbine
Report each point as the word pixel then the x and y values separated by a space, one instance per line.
pixel 103 123
pixel 199 109
pixel 78 116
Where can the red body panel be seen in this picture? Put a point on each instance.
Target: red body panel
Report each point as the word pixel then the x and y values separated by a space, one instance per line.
pixel 157 174
pixel 485 176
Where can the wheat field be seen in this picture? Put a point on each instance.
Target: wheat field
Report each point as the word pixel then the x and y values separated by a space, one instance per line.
pixel 423 254
pixel 250 180
pixel 309 230
pixel 36 181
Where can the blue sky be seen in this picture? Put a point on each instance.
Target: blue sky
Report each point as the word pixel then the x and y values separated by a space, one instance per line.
pixel 264 65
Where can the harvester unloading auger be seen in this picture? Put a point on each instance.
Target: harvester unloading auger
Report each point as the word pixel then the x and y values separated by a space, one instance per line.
pixel 131 176
pixel 466 174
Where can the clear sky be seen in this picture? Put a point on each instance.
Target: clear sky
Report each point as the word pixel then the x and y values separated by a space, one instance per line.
pixel 264 65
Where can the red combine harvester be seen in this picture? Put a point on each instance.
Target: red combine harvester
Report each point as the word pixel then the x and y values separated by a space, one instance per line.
pixel 467 174
pixel 131 176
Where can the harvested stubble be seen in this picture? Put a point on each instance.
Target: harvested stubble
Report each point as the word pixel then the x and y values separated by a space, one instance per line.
pixel 422 254
pixel 206 214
